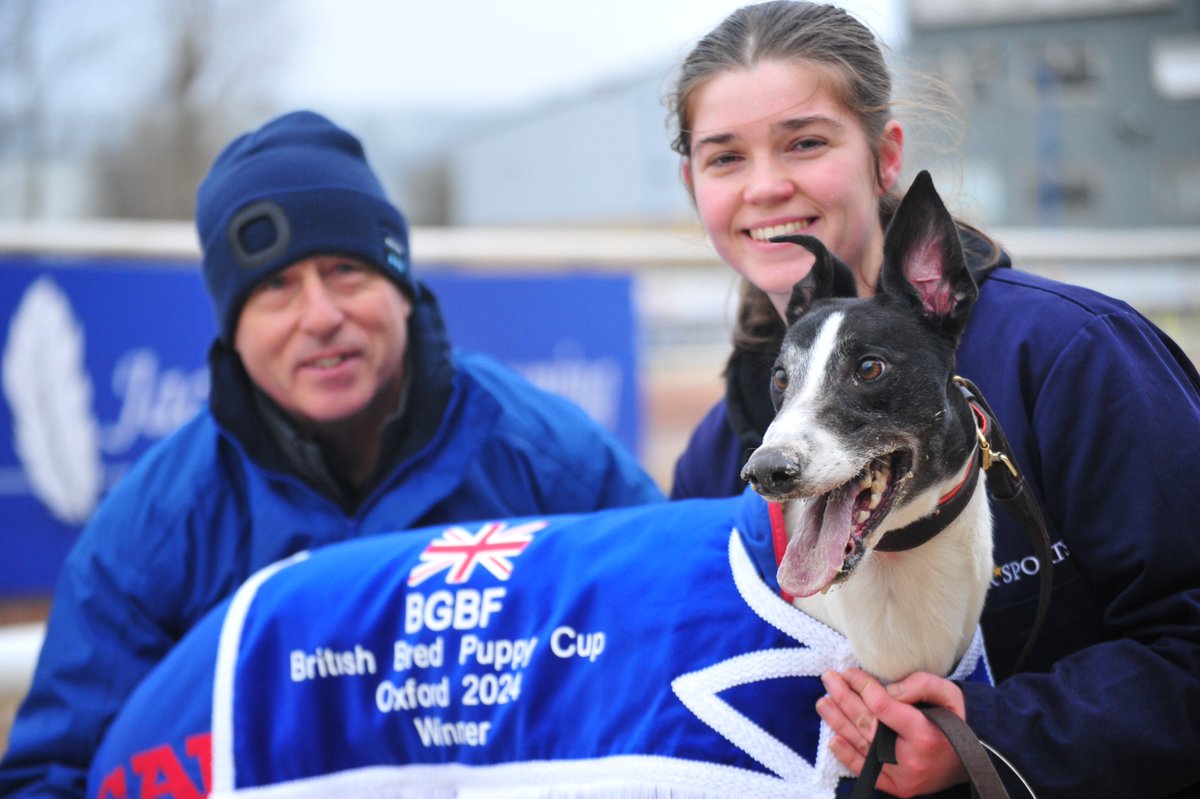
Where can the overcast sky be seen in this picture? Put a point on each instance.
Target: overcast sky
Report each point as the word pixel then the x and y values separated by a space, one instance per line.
pixel 495 52
pixel 361 55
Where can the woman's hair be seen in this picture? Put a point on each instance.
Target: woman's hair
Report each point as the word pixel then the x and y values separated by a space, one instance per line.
pixel 850 61
pixel 812 33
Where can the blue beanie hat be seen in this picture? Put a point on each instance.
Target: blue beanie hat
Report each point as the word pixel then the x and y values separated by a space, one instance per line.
pixel 298 186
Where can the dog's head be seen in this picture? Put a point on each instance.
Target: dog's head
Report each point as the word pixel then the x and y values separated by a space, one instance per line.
pixel 867 418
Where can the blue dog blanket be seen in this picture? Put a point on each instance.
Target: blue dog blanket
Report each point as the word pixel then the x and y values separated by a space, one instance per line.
pixel 637 652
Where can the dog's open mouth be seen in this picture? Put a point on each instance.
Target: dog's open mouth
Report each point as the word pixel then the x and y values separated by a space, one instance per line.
pixel 829 540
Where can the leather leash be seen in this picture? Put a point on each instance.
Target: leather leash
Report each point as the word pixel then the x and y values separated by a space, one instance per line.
pixel 1009 490
pixel 980 771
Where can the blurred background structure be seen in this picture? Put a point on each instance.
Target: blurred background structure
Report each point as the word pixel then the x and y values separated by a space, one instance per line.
pixel 530 137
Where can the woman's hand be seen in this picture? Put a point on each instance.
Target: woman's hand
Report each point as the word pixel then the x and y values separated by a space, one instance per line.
pixel 857 702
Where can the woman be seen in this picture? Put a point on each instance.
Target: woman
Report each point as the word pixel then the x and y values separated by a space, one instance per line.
pixel 784 125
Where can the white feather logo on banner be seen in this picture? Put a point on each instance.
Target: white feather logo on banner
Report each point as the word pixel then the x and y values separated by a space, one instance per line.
pixel 55 434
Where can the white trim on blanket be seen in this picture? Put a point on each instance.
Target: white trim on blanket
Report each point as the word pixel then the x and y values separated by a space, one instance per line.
pixel 618 777
pixel 223 767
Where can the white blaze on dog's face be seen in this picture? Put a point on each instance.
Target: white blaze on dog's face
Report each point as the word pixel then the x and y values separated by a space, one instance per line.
pixel 798 430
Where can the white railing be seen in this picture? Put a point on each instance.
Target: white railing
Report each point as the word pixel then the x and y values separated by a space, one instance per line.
pixel 19 647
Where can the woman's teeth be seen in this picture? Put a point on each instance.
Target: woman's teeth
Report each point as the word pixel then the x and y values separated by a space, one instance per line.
pixel 764 233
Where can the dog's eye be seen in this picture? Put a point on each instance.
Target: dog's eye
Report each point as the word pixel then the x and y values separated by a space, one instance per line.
pixel 779 379
pixel 870 369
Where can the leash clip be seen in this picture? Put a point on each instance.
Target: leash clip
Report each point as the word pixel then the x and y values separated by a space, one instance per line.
pixel 987 456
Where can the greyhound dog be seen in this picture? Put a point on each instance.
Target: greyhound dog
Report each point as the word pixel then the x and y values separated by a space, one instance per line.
pixel 670 649
pixel 872 434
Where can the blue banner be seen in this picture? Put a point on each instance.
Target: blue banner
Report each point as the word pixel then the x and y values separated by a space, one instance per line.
pixel 101 357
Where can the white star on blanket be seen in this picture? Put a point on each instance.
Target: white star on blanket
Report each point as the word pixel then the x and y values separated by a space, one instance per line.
pixel 824 649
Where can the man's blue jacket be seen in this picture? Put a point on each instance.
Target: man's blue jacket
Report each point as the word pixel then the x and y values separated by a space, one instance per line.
pixel 218 500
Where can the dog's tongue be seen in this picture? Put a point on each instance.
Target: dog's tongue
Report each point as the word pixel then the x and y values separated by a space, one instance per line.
pixel 817 547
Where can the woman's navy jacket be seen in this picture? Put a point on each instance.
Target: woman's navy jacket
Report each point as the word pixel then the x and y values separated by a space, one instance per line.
pixel 1102 410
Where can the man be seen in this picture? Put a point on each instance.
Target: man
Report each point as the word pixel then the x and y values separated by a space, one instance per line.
pixel 337 411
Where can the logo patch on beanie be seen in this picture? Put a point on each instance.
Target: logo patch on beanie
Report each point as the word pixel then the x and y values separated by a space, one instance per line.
pixel 397 255
pixel 258 234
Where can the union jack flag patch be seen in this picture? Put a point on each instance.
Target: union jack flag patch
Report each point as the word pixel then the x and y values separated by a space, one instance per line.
pixel 458 551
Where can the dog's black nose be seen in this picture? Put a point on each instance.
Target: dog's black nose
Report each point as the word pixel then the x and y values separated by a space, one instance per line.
pixel 771 473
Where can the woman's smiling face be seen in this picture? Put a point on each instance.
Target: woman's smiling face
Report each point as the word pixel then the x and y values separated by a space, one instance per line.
pixel 773 153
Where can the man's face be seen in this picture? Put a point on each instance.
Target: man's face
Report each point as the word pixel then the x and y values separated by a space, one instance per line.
pixel 325 338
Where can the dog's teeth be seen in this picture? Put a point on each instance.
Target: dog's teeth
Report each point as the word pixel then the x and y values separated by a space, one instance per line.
pixel 862 516
pixel 875 499
pixel 866 481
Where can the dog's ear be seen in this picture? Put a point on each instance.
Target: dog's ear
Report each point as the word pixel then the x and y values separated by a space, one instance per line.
pixel 829 277
pixel 923 260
